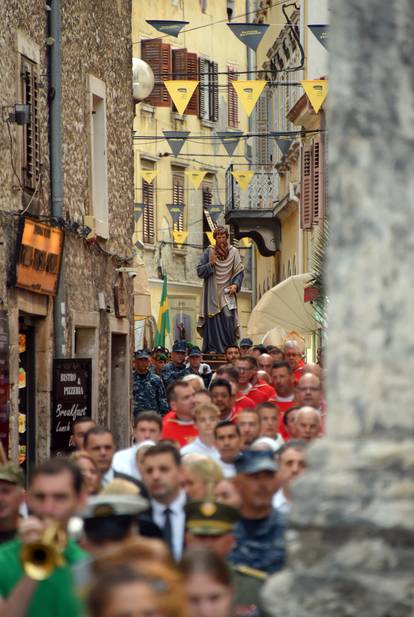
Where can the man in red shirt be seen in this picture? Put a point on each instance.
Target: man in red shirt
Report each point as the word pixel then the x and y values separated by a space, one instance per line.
pixel 294 357
pixel 178 424
pixel 241 400
pixel 222 396
pixel 256 389
pixel 282 380
pixel 309 394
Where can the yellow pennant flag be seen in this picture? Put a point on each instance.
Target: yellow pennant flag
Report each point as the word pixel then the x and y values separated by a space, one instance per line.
pixel 148 175
pixel 210 238
pixel 316 90
pixel 195 176
pixel 246 242
pixel 179 237
pixel 249 92
pixel 181 91
pixel 243 178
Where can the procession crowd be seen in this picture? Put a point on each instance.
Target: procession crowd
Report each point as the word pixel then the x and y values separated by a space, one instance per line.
pixel 189 521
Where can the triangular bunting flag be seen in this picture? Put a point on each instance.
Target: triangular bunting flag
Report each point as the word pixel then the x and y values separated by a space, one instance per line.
pixel 249 34
pixel 210 238
pixel 195 176
pixel 321 33
pixel 316 90
pixel 138 210
pixel 167 26
pixel 230 140
pixel 176 140
pixel 249 92
pixel 176 210
pixel 284 145
pixel 215 210
pixel 181 91
pixel 243 178
pixel 148 174
pixel 179 237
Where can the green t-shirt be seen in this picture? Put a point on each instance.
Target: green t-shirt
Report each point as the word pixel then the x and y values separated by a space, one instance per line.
pixel 53 597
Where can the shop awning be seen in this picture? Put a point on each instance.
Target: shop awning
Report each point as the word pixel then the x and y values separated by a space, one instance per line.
pixel 283 306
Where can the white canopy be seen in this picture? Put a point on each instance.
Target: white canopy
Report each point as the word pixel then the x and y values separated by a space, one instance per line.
pixel 283 306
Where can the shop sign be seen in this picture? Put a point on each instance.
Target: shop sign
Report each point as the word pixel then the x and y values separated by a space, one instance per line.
pixel 72 380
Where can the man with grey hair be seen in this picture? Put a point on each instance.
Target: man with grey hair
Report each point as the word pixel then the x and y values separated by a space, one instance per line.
pixel 290 460
pixel 294 356
pixel 308 423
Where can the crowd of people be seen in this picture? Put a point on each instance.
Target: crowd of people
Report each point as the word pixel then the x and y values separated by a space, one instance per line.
pixel 189 521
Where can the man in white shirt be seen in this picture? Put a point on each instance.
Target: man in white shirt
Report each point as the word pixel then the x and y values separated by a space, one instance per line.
pixel 228 443
pixel 206 418
pixel 162 475
pixel 290 463
pixel 147 426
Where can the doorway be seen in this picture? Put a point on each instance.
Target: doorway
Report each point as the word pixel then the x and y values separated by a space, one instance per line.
pixel 119 411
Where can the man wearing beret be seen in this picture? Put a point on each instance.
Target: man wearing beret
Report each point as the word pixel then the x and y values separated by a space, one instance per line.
pixel 148 388
pixel 176 369
pixel 260 530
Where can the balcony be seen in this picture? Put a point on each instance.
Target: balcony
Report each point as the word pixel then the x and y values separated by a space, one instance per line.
pixel 251 213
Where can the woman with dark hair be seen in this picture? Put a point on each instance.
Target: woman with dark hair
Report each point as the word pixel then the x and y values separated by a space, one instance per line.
pixel 208 583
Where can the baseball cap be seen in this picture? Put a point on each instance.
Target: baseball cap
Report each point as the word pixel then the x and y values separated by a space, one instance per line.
pixel 253 461
pixel 246 342
pixel 9 472
pixel 180 346
pixel 141 354
pixel 195 351
pixel 209 518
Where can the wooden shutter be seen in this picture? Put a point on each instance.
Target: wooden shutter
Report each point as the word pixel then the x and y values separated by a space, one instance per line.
pixel 306 187
pixel 179 66
pixel 192 72
pixel 214 92
pixel 203 90
pixel 233 104
pixel 158 55
pixel 318 176
pixel 31 139
pixel 263 144
pixel 178 198
pixel 148 214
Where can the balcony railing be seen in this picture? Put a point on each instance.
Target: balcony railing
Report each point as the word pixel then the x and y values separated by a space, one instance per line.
pixel 262 192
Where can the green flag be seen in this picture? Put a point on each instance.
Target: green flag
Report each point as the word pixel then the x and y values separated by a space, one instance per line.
pixel 163 324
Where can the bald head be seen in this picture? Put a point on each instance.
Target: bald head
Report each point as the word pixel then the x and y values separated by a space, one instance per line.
pixel 265 362
pixel 307 423
pixel 309 391
pixel 315 369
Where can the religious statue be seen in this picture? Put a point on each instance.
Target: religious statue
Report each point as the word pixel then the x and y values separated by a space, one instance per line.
pixel 222 271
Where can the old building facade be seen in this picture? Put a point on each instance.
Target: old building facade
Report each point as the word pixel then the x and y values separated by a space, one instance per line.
pixel 67 185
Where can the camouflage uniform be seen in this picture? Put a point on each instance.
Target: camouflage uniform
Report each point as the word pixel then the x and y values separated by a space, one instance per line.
pixel 247 584
pixel 171 372
pixel 149 393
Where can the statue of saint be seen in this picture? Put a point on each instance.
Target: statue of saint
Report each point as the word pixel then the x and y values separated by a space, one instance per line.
pixel 222 271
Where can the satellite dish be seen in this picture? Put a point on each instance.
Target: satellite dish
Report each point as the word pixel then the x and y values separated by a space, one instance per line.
pixel 142 79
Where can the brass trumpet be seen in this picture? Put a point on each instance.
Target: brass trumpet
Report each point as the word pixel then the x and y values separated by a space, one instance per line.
pixel 41 558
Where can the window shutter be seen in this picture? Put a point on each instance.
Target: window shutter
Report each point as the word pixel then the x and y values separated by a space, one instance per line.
pixel 178 198
pixel 306 187
pixel 179 66
pixel 192 72
pixel 31 141
pixel 318 193
pixel 214 92
pixel 158 55
pixel 148 214
pixel 203 95
pixel 263 144
pixel 233 104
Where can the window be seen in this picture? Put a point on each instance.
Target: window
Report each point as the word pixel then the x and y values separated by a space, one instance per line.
pixel 158 55
pixel 263 144
pixel 148 216
pixel 312 189
pixel 209 96
pixel 99 179
pixel 178 198
pixel 185 66
pixel 31 138
pixel 233 104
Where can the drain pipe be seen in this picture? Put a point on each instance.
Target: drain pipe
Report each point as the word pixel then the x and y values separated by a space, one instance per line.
pixel 251 62
pixel 54 42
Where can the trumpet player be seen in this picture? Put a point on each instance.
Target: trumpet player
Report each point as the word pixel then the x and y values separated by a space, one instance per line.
pixel 55 494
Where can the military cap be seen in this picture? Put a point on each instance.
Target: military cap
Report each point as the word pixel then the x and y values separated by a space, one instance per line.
pixel 160 356
pixel 253 461
pixel 180 346
pixel 210 518
pixel 141 354
pixel 160 349
pixel 195 351
pixel 9 472
pixel 246 342
pixel 103 506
